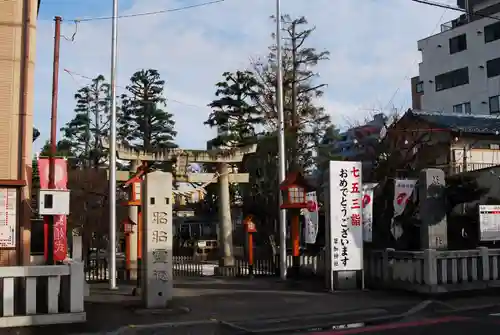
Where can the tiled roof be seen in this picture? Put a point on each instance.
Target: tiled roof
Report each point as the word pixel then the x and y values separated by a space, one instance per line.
pixel 474 124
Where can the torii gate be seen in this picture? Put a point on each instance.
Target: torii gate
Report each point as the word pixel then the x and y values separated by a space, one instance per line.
pixel 182 158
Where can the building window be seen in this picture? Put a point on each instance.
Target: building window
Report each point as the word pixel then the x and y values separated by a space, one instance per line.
pixel 463 108
pixel 495 104
pixel 452 79
pixel 492 32
pixel 419 88
pixel 493 67
pixel 458 43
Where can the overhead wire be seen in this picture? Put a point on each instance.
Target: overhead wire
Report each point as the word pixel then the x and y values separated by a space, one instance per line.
pixel 458 9
pixel 162 11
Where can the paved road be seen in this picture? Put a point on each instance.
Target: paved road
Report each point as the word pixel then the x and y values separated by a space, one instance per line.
pixel 481 322
pixel 269 307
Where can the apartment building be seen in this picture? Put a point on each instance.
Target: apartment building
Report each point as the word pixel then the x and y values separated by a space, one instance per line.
pixel 17 61
pixel 460 68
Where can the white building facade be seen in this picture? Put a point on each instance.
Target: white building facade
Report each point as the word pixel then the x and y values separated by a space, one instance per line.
pixel 460 68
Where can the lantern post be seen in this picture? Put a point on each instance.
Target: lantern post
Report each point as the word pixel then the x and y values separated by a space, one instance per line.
pixel 250 229
pixel 128 229
pixel 294 189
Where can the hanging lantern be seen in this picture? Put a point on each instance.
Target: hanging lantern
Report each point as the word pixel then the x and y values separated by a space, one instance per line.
pixel 294 189
pixel 128 226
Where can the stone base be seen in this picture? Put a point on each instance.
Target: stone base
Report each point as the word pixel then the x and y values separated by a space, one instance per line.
pixel 226 271
pixel 136 291
pixel 347 280
pixel 86 290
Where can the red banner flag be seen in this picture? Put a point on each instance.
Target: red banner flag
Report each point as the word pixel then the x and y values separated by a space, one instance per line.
pixel 61 183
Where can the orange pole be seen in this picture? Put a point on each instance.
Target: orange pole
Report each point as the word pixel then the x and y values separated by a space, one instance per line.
pixel 295 234
pixel 127 251
pixel 250 249
pixel 139 233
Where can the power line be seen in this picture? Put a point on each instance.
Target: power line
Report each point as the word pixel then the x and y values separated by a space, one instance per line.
pixel 163 11
pixel 442 5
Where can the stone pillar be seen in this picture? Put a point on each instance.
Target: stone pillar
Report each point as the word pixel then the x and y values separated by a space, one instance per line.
pixel 433 228
pixel 225 223
pixel 156 267
pixel 77 248
pixel 132 215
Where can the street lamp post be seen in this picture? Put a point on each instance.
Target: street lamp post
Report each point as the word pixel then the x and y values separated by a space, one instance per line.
pixel 112 153
pixel 281 140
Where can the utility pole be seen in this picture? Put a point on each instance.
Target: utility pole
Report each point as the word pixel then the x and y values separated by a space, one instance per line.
pixel 112 154
pixel 53 134
pixel 281 140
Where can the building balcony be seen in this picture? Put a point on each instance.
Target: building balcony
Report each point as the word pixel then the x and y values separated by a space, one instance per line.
pixel 468 167
pixel 460 21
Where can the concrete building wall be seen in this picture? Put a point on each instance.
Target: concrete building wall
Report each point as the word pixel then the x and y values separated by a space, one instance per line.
pixel 436 60
pixel 12 18
pixel 416 93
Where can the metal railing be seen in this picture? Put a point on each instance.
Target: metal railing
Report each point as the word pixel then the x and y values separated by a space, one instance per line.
pixel 467 167
pixel 96 270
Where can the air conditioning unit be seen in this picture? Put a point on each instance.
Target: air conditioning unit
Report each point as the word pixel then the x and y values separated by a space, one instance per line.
pixel 53 202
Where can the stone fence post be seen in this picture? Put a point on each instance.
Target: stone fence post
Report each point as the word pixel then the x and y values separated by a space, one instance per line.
pixel 386 266
pixel 485 263
pixel 430 267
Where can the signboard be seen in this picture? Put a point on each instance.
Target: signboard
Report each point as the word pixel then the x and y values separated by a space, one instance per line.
pixel 368 211
pixel 8 219
pixel 489 222
pixel 346 224
pixel 61 181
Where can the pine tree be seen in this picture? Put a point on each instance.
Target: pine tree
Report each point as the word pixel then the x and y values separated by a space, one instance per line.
pixel 234 113
pixel 142 123
pixel 91 122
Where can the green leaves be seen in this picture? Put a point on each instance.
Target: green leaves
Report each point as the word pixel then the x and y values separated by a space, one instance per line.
pixel 244 112
pixel 83 134
pixel 143 122
pixel 235 113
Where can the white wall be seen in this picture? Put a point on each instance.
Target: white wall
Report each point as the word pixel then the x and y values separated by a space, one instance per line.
pixel 437 60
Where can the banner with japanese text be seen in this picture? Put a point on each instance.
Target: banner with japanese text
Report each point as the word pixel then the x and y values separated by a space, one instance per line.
pixel 346 222
pixel 61 183
pixel 368 211
pixel 404 192
pixel 311 218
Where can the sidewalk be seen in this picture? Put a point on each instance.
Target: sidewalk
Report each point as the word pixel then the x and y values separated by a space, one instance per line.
pixel 237 302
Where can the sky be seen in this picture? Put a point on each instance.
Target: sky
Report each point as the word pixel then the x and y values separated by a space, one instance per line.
pixel 372 45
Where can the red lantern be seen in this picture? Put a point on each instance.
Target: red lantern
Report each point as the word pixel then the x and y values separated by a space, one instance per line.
pixel 249 224
pixel 128 226
pixel 294 189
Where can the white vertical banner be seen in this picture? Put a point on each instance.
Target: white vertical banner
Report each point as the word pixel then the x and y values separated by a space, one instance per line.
pixel 346 222
pixel 311 219
pixel 403 193
pixel 368 211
